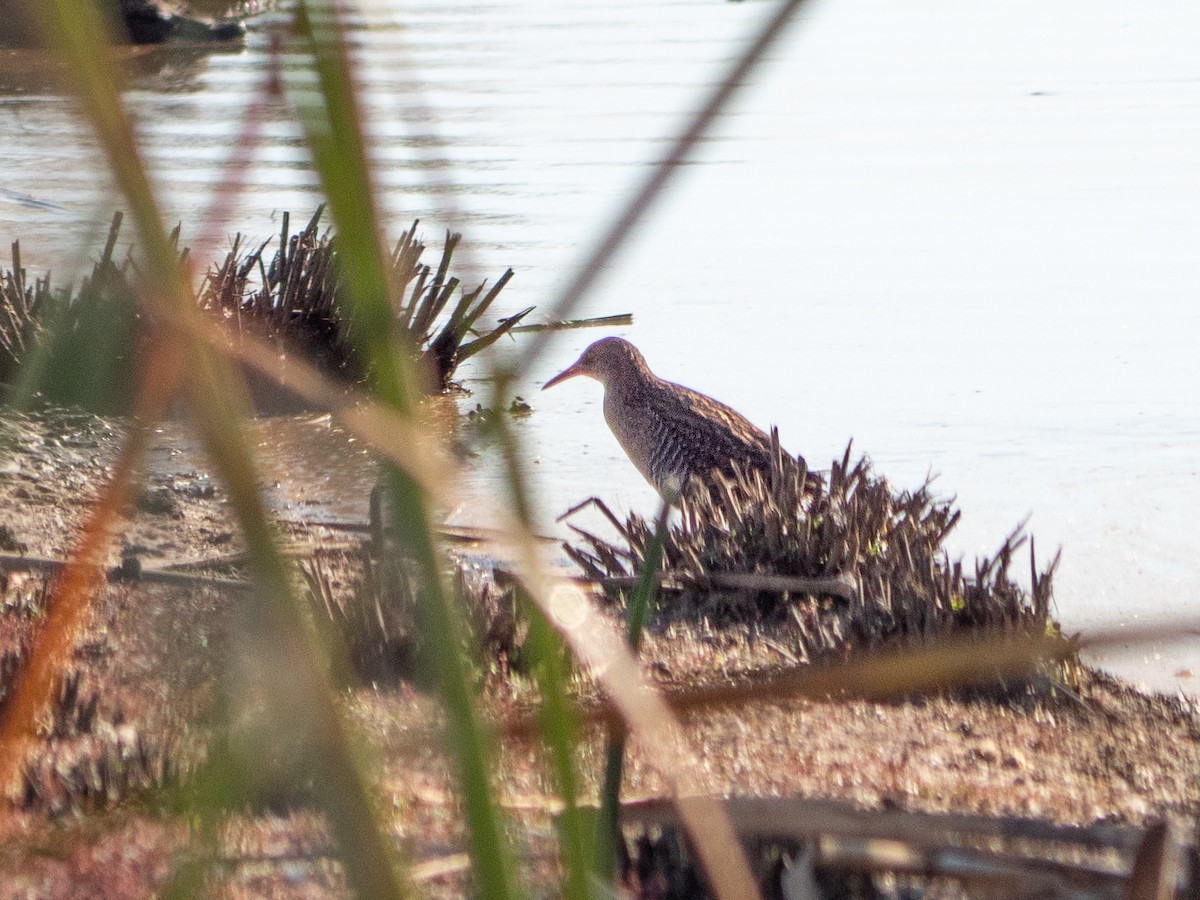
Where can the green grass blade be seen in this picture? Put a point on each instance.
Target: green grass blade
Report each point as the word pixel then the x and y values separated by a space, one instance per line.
pixel 466 737
pixel 560 731
pixel 332 121
pixel 333 124
pixel 608 822
pixel 301 691
pixel 647 586
pixel 559 721
pixel 71 27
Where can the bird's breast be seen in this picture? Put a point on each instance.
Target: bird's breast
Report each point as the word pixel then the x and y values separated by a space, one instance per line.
pixel 656 448
pixel 631 422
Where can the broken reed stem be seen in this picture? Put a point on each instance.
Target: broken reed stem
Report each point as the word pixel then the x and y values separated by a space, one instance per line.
pixel 594 322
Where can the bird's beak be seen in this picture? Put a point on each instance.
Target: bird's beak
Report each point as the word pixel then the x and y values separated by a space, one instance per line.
pixel 570 372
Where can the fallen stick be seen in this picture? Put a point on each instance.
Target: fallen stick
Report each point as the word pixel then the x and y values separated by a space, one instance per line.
pixel 923 844
pixel 20 562
pixel 1025 876
pixel 835 585
pixel 597 322
pixel 798 818
pixel 423 870
pixel 13 562
pixel 459 534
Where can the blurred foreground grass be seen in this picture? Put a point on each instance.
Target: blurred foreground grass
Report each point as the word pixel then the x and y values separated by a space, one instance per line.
pixel 166 348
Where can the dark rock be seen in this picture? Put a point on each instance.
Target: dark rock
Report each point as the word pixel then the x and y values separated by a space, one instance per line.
pixel 159 501
pixel 143 21
pixel 155 22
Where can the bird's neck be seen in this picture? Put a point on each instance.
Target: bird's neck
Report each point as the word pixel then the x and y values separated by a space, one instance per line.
pixel 631 387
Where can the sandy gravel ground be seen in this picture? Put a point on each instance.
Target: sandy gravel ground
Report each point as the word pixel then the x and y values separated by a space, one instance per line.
pixel 151 653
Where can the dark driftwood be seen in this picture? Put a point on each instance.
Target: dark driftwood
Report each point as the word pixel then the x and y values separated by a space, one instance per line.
pixel 1022 875
pixel 797 818
pixel 16 562
pixel 844 837
pixel 457 534
pixel 833 585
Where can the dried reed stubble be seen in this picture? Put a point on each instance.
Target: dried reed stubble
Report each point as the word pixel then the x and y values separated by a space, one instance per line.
pixel 890 543
pixel 299 296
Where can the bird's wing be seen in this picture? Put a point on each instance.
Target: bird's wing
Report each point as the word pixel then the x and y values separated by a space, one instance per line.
pixel 693 433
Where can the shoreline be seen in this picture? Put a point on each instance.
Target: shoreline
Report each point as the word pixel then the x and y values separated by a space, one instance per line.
pixel 1103 752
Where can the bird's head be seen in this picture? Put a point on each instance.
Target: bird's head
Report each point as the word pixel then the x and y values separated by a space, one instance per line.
pixel 604 360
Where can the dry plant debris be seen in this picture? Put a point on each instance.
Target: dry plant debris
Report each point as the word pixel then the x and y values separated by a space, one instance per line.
pixel 373 601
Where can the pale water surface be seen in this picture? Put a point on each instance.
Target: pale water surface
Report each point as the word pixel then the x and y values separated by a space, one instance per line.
pixel 968 237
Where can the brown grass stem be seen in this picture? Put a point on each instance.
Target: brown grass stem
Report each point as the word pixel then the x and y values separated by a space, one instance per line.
pixel 334 126
pixel 952 663
pixel 598 646
pixel 70 599
pixel 71 29
pixel 398 439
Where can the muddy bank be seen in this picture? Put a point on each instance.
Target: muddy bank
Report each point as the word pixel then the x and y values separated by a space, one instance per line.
pixel 150 654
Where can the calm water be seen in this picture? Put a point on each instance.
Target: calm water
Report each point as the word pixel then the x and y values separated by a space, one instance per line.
pixel 968 238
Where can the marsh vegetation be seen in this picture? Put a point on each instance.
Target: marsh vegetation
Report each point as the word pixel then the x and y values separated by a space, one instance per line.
pixel 199 693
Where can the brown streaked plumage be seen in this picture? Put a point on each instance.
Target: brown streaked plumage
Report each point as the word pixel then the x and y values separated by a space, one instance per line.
pixel 669 431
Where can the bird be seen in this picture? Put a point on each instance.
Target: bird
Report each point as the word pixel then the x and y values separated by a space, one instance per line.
pixel 670 432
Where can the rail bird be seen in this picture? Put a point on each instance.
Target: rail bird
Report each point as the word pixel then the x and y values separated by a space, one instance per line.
pixel 669 432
